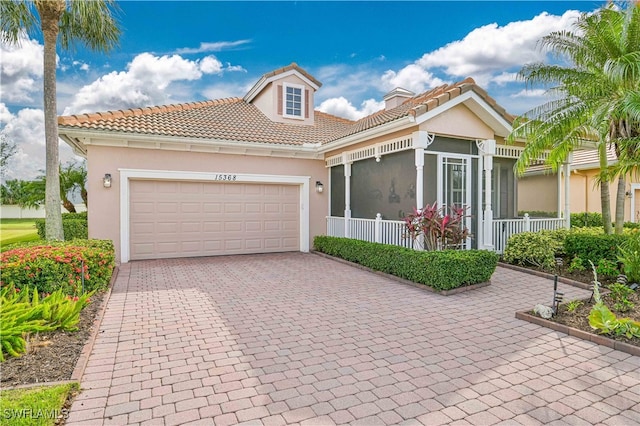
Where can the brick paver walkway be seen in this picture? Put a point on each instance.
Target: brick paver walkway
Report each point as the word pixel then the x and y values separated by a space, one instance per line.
pixel 297 338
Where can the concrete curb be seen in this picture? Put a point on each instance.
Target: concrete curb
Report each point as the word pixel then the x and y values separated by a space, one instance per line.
pixel 407 282
pixel 563 280
pixel 81 364
pixel 591 337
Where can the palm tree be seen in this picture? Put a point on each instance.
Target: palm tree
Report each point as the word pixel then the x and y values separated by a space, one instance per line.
pixel 90 23
pixel 594 102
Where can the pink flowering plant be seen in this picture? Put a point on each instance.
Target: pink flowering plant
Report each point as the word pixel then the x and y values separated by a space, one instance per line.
pixel 75 267
pixel 437 228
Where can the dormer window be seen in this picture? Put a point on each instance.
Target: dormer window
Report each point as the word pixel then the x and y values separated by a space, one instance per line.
pixel 293 100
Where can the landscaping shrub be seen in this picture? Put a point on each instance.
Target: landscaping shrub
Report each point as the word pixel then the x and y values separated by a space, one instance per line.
pixel 441 270
pixel 533 249
pixel 59 265
pixel 589 220
pixel 558 236
pixel 593 244
pixel 629 256
pixel 74 226
pixel 586 220
pixel 24 312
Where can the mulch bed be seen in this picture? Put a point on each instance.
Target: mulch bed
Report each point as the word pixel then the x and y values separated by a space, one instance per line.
pixel 51 356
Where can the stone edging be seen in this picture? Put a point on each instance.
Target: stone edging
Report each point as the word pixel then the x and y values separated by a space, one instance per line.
pixel 81 363
pixel 580 334
pixel 404 281
pixel 563 280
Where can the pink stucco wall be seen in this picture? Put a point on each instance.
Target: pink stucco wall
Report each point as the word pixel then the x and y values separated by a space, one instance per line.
pixel 104 203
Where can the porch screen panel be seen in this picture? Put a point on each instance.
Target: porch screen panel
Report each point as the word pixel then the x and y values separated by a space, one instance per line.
pixel 430 179
pixel 455 146
pixel 387 187
pixel 337 191
pixel 504 188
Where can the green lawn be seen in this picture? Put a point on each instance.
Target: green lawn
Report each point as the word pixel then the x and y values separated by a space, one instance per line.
pixel 17 231
pixel 36 406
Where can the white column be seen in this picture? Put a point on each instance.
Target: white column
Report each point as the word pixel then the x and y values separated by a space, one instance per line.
pixel 421 140
pixel 567 191
pixel 347 196
pixel 559 190
pixel 488 151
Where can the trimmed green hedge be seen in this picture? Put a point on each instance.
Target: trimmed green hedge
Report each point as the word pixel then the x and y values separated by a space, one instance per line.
pixel 74 226
pixel 441 270
pixel 53 265
pixel 593 244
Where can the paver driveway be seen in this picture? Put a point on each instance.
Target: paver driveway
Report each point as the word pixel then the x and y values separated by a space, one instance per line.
pixel 297 338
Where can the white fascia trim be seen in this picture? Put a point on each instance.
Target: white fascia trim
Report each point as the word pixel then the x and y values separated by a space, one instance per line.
pixel 84 138
pixel 75 144
pixel 384 129
pixel 501 126
pixel 126 175
pixel 263 82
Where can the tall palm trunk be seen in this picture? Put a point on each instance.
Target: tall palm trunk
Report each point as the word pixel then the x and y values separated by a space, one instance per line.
pixel 620 199
pixel 605 196
pixel 50 12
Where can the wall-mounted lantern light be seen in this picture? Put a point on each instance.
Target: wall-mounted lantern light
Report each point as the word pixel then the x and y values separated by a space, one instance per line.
pixel 319 187
pixel 106 180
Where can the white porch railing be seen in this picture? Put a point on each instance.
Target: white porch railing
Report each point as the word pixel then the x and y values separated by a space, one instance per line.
pixel 505 228
pixel 372 230
pixel 394 232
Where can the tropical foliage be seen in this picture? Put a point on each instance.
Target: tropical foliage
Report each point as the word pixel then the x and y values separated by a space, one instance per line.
pixel 30 194
pixel 69 23
pixel 437 228
pixel 595 98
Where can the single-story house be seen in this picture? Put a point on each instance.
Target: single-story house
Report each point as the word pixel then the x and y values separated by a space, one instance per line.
pixel 538 192
pixel 267 172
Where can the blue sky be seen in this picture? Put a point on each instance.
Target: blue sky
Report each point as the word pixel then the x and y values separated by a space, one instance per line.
pixel 172 52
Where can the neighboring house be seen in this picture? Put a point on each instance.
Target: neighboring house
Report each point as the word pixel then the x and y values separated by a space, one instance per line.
pixel 266 172
pixel 537 191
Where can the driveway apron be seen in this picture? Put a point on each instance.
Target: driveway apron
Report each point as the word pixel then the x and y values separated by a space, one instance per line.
pixel 298 338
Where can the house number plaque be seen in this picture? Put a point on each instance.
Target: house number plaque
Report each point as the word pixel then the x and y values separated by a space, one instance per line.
pixel 225 177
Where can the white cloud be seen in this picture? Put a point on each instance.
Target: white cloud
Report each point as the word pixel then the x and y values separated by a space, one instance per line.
pixel 21 74
pixel 493 49
pixel 504 78
pixel 26 130
pixel 412 77
pixel 530 93
pixel 145 82
pixel 212 47
pixel 210 65
pixel 343 108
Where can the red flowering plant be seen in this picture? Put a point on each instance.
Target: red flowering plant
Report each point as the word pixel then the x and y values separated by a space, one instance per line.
pixel 75 267
pixel 437 228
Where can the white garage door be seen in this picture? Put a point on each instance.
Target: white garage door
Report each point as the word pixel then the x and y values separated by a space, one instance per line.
pixel 184 219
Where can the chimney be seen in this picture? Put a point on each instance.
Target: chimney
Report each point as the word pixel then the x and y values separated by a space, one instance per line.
pixel 396 97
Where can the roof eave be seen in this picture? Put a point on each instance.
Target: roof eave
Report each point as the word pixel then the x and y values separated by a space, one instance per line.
pixel 381 130
pixel 79 139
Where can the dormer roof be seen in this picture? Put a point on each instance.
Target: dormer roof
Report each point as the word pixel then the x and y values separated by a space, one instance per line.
pixel 278 74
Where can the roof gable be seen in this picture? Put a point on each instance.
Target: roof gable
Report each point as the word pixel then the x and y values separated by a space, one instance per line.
pixel 435 101
pixel 266 79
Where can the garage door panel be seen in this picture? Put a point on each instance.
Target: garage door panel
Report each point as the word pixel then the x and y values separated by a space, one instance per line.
pixel 174 219
pixel 233 208
pixel 190 187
